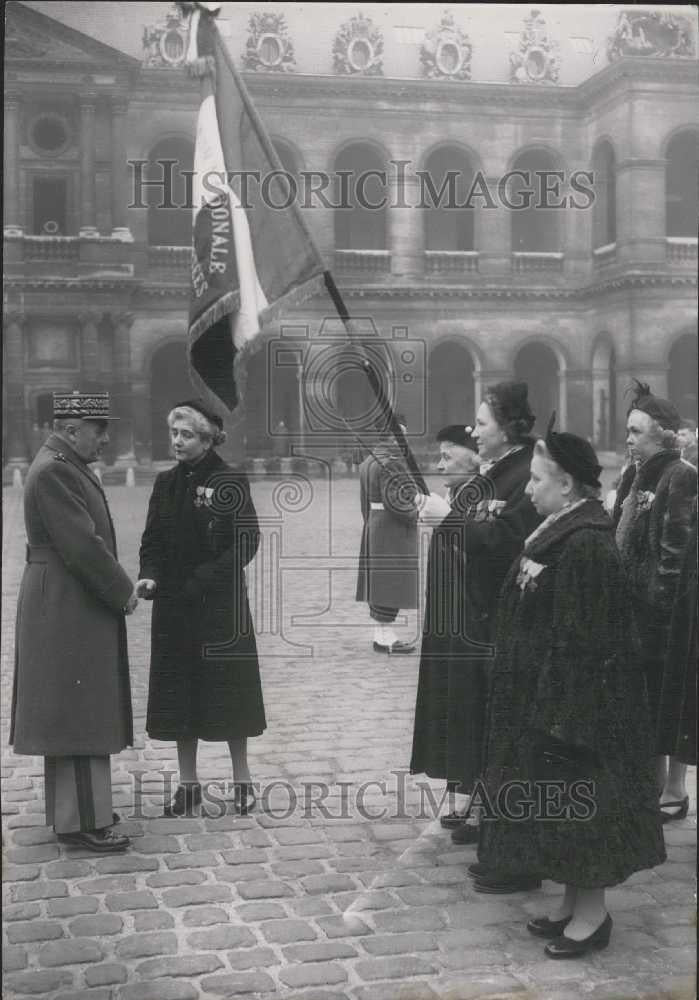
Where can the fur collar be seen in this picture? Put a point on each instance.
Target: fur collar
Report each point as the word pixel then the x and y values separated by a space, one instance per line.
pixel 589 514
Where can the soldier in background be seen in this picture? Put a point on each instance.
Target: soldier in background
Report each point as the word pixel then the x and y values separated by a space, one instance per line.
pixel 71 701
pixel 388 558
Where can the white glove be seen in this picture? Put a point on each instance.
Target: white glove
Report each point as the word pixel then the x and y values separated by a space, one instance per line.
pixel 145 588
pixel 432 509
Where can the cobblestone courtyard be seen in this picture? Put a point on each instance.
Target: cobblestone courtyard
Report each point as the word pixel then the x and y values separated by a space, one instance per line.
pixel 343 886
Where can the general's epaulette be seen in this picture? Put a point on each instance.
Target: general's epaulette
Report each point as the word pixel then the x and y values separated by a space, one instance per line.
pixel 59 456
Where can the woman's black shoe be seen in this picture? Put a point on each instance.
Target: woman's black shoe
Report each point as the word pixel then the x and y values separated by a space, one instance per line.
pixel 453 819
pixel 681 812
pixel 545 928
pixel 245 800
pixel 466 833
pixel 563 947
pixel 478 869
pixel 494 883
pixel 186 799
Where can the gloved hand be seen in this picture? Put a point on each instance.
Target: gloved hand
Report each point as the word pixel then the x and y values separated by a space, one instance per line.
pixel 432 509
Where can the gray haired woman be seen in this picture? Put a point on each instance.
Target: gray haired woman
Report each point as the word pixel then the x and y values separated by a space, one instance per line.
pixel 201 531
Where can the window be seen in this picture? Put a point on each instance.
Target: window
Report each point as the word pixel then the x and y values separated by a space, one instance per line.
pixel 49 204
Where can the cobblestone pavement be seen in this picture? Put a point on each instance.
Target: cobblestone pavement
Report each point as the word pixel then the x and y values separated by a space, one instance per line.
pixel 343 888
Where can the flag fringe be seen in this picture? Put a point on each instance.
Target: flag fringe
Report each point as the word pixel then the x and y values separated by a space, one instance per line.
pixel 227 304
pixel 294 297
pixel 250 348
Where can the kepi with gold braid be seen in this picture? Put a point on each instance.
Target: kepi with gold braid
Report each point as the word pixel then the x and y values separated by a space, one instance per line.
pixel 85 405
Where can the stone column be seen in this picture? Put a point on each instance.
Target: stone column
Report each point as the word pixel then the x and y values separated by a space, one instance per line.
pixel 140 409
pixel 493 239
pixel 11 198
pixel 405 226
pixel 89 350
pixel 120 227
pixel 122 403
pixel 641 211
pixel 88 211
pixel 16 453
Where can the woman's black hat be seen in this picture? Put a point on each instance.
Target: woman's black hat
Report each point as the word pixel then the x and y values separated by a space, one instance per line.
pixel 458 434
pixel 657 408
pixel 512 403
pixel 201 407
pixel 574 454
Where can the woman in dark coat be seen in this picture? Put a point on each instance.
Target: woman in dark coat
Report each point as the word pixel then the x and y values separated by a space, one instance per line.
pixel 652 515
pixel 677 713
pixel 439 725
pixel 494 525
pixel 568 704
pixel 201 531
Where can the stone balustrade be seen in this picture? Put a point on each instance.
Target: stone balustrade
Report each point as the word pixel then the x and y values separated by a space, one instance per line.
pixel 450 262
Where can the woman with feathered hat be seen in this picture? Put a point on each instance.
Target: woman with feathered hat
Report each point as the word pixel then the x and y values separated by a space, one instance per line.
pixel 652 517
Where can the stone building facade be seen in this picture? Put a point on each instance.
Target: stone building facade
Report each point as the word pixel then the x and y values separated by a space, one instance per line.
pixel 575 299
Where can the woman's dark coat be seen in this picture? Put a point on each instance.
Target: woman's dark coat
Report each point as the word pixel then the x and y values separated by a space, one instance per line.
pixel 677 714
pixel 471 551
pixel 71 688
pixel 652 553
pixel 201 531
pixel 388 556
pixel 567 668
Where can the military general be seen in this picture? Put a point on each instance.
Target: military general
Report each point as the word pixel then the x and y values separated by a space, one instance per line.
pixel 71 701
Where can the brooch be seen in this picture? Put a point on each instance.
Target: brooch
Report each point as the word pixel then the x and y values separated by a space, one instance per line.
pixel 645 500
pixel 528 572
pixel 204 496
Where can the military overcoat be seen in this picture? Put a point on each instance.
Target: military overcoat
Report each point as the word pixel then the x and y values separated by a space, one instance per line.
pixel 71 686
pixel 388 556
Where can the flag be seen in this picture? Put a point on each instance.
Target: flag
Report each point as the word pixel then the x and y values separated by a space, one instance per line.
pixel 250 260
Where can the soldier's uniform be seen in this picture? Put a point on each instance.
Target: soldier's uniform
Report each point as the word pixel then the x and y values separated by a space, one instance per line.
pixel 71 700
pixel 388 558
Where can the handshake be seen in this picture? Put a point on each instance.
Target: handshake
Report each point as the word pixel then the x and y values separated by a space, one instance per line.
pixel 144 589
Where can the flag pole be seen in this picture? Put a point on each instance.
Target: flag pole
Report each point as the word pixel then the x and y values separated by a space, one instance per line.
pixel 200 66
pixel 375 383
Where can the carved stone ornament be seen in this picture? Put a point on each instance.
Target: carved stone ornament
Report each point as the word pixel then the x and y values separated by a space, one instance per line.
pixel 446 52
pixel 358 48
pixel 651 33
pixel 536 58
pixel 269 48
pixel 165 44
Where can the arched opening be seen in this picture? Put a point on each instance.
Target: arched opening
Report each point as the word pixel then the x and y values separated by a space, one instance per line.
pixel 534 229
pixel 604 184
pixel 537 365
pixel 271 399
pixel 681 185
pixel 169 384
pixel 170 205
pixel 450 385
pixel 448 227
pixel 358 226
pixel 682 375
pixel 604 396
